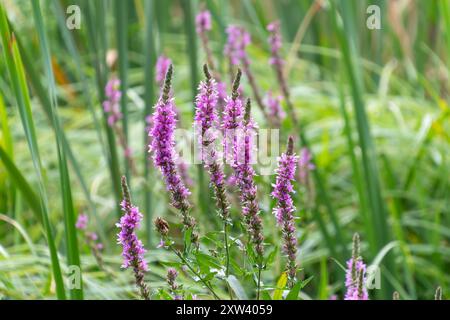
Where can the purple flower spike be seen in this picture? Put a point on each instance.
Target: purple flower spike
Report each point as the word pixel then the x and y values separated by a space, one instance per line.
pixel 305 165
pixel 355 277
pixel 203 21
pixel 245 180
pixel 231 121
pixel 238 40
pixel 206 124
pixel 235 50
pixel 172 275
pixel 275 113
pixel 164 155
pixel 162 65
pixel 132 248
pixel 275 43
pixel 82 221
pixel 285 209
pixel 111 104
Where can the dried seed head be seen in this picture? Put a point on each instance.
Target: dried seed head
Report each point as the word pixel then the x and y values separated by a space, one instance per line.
pixel 236 83
pixel 290 148
pixel 167 84
pixel 248 109
pixel 206 72
pixel 161 226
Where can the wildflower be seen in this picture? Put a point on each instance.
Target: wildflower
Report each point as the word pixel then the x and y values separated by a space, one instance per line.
pixel 91 238
pixel 203 21
pixel 112 109
pixel 245 180
pixel 235 50
pixel 305 165
pixel 276 113
pixel 111 104
pixel 171 278
pixel 277 62
pixel 275 43
pixel 355 274
pixel 132 248
pixel 285 208
pixel 162 65
pixel 238 40
pixel 205 120
pixel 82 221
pixel 231 119
pixel 164 156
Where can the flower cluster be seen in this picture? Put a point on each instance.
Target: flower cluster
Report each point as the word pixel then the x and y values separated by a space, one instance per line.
pixel 132 248
pixel 238 40
pixel 284 212
pixel 355 277
pixel 231 120
pixel 305 165
pixel 275 43
pixel 203 21
pixel 162 65
pixel 205 121
pixel 111 104
pixel 275 113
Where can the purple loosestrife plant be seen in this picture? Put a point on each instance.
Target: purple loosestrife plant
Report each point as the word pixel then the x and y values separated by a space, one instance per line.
pixel 355 277
pixel 231 121
pixel 277 62
pixel 162 64
pixel 245 174
pixel 91 239
pixel 203 25
pixel 164 156
pixel 112 109
pixel 132 248
pixel 284 212
pixel 235 50
pixel 276 113
pixel 206 123
pixel 171 279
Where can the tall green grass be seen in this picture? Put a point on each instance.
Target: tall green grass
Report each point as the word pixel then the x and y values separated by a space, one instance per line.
pixel 17 77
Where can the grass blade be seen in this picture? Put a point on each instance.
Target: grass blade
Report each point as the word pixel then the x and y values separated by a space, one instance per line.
pixel 73 256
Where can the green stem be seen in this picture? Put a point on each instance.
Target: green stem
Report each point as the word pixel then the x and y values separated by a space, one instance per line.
pixel 207 284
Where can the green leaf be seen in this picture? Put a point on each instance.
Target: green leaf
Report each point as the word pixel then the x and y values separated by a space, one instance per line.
pixel 281 285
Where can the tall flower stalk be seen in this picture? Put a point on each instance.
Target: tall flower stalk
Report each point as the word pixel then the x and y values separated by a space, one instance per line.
pixel 276 113
pixel 203 25
pixel 206 124
pixel 235 50
pixel 245 180
pixel 355 276
pixel 277 62
pixel 284 212
pixel 112 109
pixel 164 155
pixel 132 248
pixel 231 121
